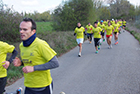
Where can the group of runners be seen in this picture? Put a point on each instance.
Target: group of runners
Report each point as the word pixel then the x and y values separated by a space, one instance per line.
pixel 98 31
pixel 37 58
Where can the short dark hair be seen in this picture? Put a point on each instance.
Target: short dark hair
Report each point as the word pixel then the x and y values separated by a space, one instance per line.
pixel 95 22
pixel 32 21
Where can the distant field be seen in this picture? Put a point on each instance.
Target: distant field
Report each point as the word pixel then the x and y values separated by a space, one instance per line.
pixel 44 27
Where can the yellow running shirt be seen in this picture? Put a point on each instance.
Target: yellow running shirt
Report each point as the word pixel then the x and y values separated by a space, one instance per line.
pixel 98 23
pixel 39 52
pixel 4 49
pixel 79 32
pixel 124 22
pixel 96 32
pixel 109 29
pixel 112 22
pixel 102 27
pixel 120 23
pixel 89 28
pixel 116 27
pixel 105 23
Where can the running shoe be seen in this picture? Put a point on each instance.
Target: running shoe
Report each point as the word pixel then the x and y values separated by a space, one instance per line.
pixel 103 40
pixel 116 43
pixel 111 46
pixel 90 42
pixel 79 54
pixel 96 52
pixel 100 43
pixel 99 48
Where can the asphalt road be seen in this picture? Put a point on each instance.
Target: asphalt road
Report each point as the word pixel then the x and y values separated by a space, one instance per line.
pixel 111 71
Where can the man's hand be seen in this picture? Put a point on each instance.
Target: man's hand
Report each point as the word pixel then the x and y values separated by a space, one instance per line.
pixel 28 69
pixel 6 64
pixel 17 62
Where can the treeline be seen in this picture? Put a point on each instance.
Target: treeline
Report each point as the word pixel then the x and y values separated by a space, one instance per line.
pixel 45 16
pixel 67 14
pixel 70 12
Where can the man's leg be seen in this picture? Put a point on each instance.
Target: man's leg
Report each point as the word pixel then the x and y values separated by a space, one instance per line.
pixel 110 41
pixel 90 37
pixel 2 84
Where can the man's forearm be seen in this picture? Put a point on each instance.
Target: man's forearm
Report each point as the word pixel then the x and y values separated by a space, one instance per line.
pixel 53 63
pixel 14 54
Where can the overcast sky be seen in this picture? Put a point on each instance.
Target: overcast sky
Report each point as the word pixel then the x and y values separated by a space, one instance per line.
pixel 40 5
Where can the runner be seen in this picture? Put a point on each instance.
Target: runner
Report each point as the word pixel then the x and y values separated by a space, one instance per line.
pixel 109 29
pixel 120 25
pixel 124 25
pixel 97 31
pixel 38 58
pixel 79 32
pixel 89 28
pixel 116 31
pixel 112 22
pixel 105 22
pixel 102 26
pixel 4 49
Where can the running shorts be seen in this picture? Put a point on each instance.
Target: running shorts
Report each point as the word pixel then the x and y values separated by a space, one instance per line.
pixel 96 41
pixel 79 40
pixel 89 34
pixel 108 36
pixel 44 90
pixel 115 33
pixel 2 84
pixel 124 25
pixel 102 33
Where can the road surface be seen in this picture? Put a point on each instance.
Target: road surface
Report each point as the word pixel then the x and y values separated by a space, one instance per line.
pixel 111 71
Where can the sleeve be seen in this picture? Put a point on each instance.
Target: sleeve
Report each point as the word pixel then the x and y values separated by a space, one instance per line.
pixel 83 29
pixel 8 48
pixel 93 30
pixel 75 31
pixel 14 54
pixel 112 28
pixel 86 27
pixel 53 63
pixel 105 27
pixel 46 52
pixel 100 29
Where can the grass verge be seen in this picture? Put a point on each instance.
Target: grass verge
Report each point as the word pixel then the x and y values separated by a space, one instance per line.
pixel 134 33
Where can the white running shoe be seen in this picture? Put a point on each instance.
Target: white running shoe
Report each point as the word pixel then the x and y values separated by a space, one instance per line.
pixel 111 46
pixel 79 54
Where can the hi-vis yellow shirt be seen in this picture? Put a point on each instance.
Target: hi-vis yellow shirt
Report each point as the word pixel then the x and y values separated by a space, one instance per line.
pixel 120 23
pixel 89 28
pixel 102 26
pixel 98 23
pixel 105 23
pixel 4 49
pixel 109 29
pixel 39 52
pixel 96 32
pixel 124 22
pixel 79 32
pixel 116 27
pixel 112 22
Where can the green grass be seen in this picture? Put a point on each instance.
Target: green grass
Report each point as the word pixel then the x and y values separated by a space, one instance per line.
pixel 134 33
pixel 14 73
pixel 44 27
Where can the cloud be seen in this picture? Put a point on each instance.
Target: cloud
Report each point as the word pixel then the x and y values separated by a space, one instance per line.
pixel 30 3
